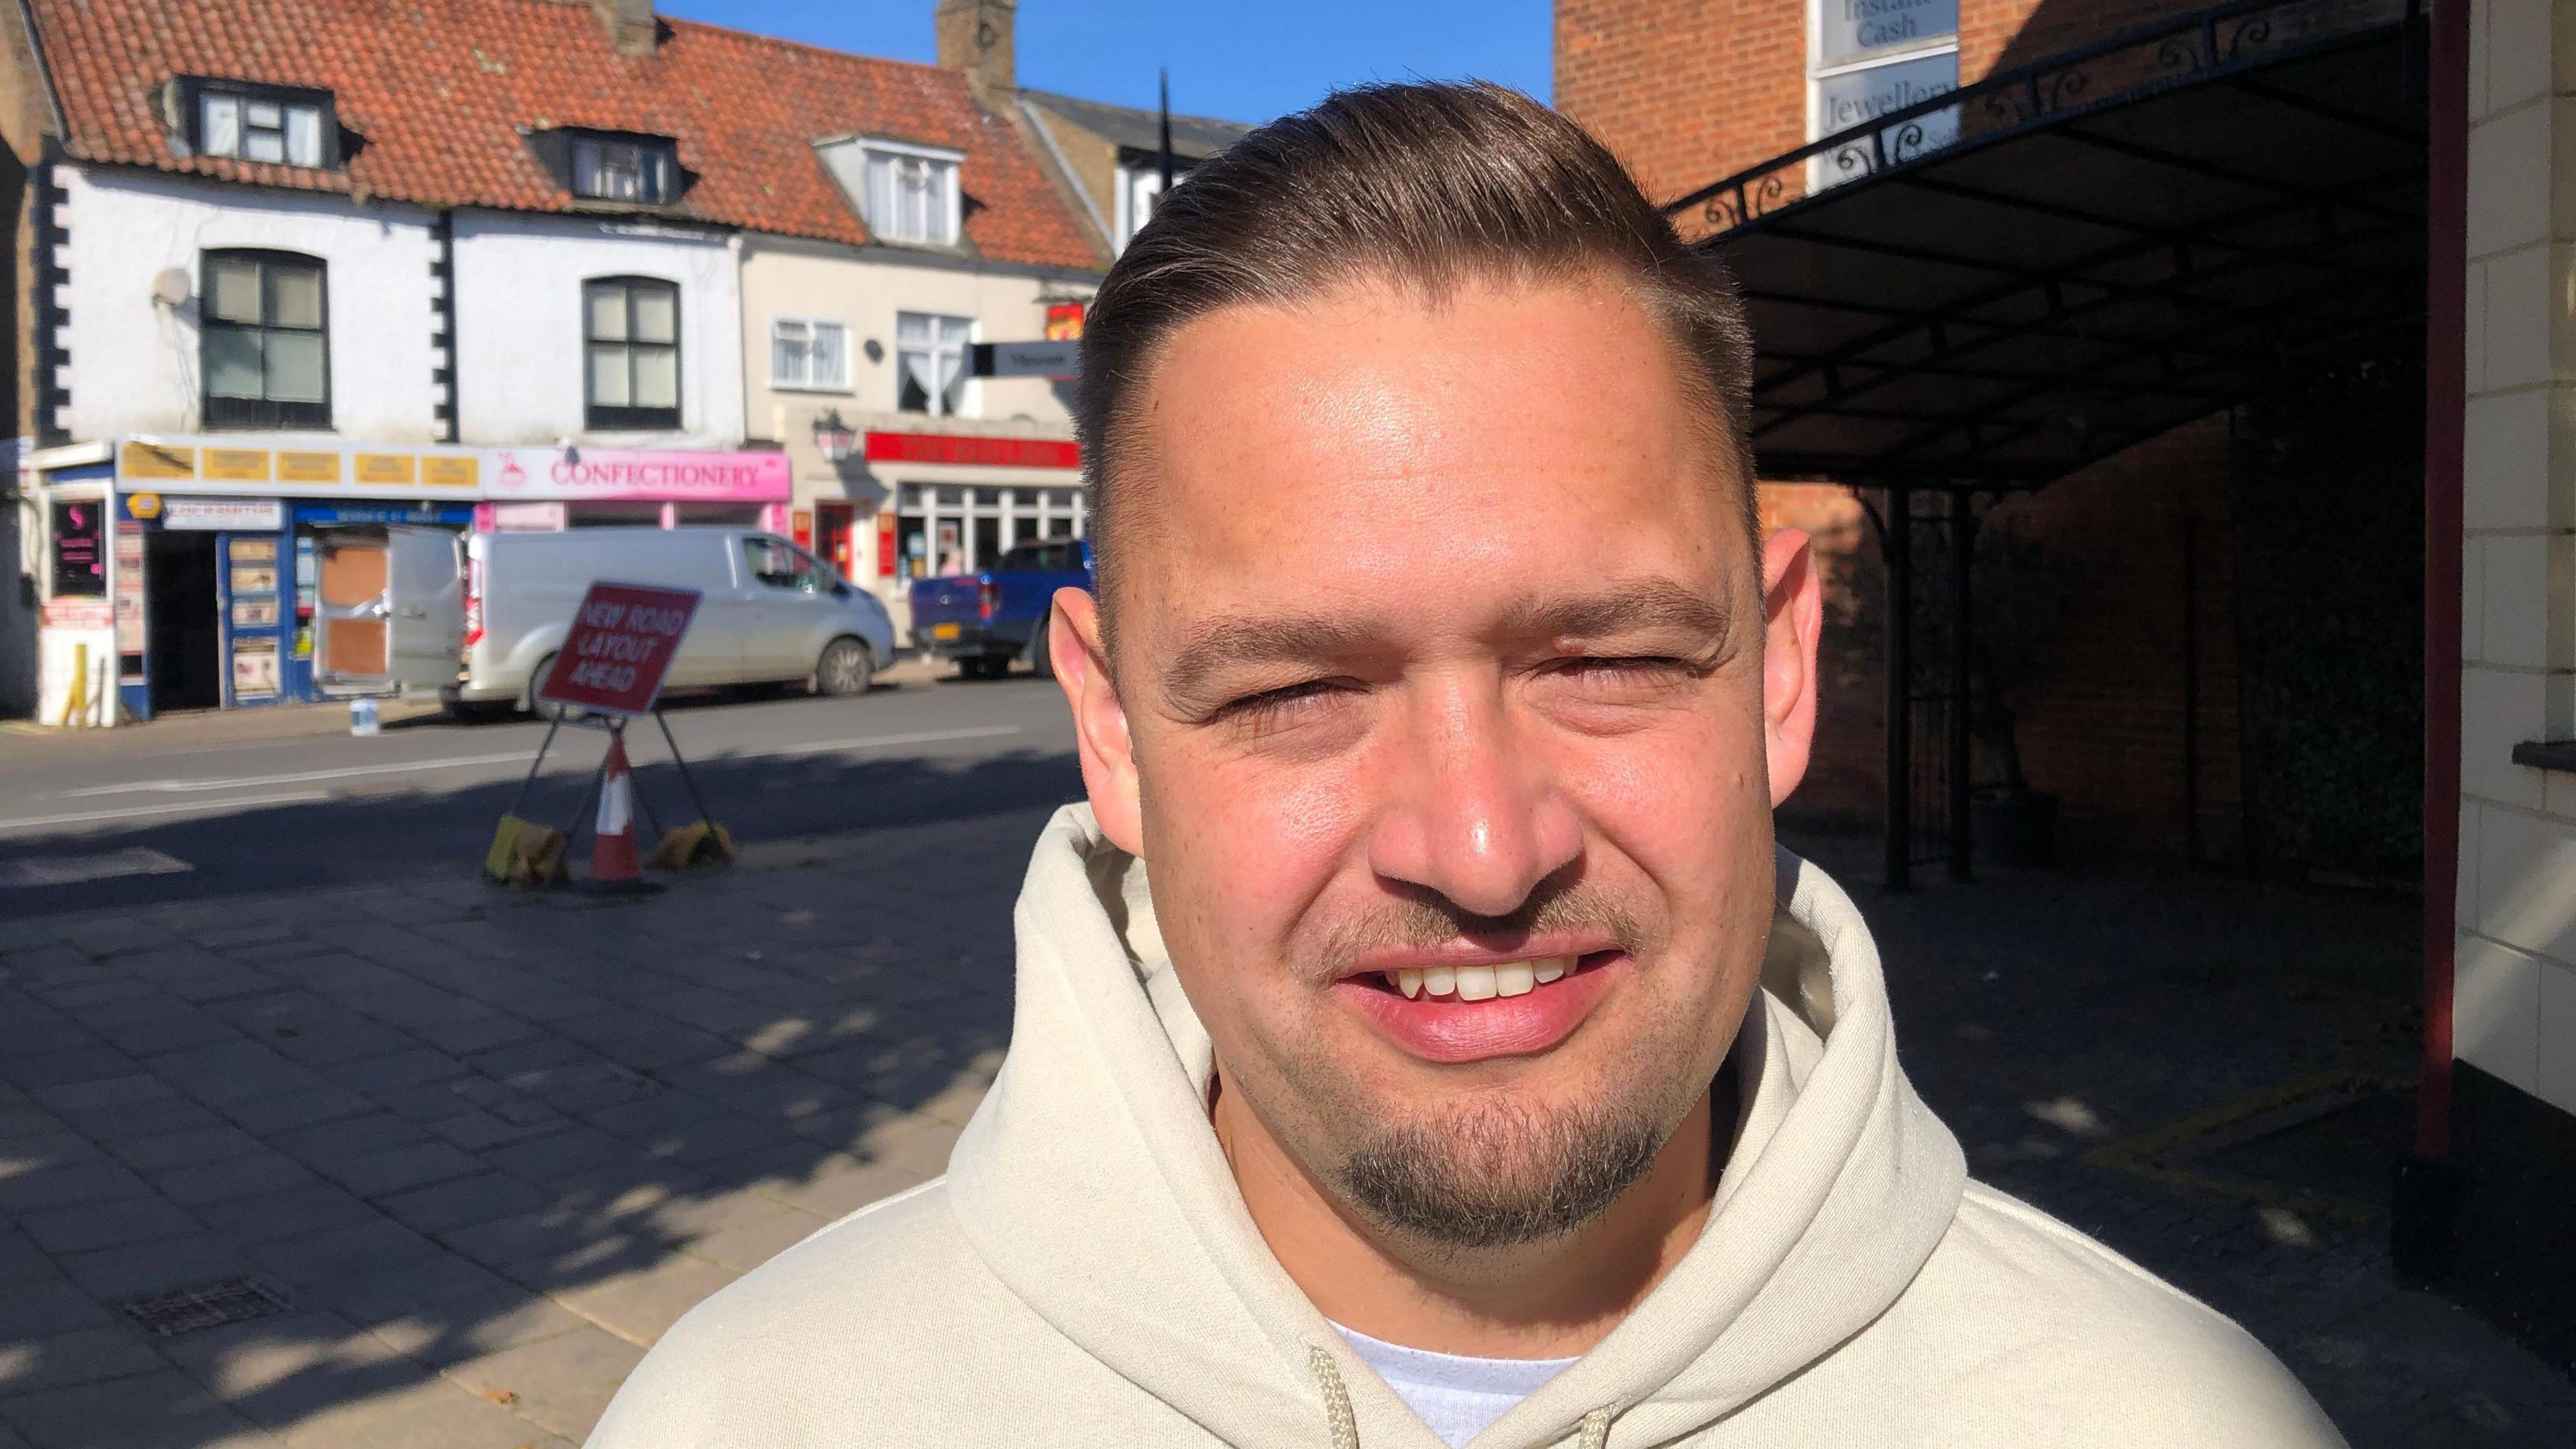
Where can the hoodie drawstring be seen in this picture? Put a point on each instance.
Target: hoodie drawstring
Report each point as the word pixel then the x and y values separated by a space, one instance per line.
pixel 1337 1398
pixel 1346 1425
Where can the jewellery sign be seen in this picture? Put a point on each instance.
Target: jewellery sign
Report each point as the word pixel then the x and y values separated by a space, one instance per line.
pixel 622 640
pixel 1847 28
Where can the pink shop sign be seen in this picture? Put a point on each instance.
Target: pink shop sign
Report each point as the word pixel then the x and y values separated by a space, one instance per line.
pixel 636 476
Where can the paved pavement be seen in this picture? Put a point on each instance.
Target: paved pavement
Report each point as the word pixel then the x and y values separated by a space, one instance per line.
pixel 488 1147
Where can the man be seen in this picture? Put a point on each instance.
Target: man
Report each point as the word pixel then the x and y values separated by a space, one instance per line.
pixel 1418 1039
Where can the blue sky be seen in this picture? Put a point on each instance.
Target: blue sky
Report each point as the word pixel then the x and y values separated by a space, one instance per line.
pixel 1244 60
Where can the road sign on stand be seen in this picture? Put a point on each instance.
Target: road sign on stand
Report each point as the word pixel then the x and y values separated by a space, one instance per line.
pixel 611 664
pixel 622 640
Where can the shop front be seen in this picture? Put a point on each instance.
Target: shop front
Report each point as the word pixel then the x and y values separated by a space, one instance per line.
pixel 193 572
pixel 956 503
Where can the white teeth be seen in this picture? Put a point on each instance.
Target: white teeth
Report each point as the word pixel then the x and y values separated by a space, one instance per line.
pixel 1480 983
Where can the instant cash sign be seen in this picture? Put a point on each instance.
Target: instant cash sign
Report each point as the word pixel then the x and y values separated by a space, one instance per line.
pixel 622 640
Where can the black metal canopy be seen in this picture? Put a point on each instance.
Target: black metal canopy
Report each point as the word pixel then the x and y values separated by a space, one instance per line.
pixel 2003 284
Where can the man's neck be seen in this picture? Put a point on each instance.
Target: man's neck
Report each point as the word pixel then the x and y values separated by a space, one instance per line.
pixel 1549 1300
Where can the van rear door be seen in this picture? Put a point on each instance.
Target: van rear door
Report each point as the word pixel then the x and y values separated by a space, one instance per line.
pixel 390 611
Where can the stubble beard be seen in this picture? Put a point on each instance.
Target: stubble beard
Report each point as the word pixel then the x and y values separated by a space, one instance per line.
pixel 1502 1170
pixel 1502 1174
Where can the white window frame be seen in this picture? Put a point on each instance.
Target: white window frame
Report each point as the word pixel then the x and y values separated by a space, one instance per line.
pixel 1139 184
pixel 947 205
pixel 809 383
pixel 239 104
pixel 970 398
pixel 656 170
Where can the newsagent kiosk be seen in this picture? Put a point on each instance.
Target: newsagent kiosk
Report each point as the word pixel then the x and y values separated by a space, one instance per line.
pixel 220 571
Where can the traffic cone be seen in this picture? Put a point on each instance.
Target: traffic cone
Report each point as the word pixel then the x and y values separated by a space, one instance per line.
pixel 613 861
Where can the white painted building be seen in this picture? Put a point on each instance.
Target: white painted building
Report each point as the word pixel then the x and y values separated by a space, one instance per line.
pixel 326 262
pixel 522 285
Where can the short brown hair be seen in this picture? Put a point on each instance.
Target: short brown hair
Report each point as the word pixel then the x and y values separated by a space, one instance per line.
pixel 1430 185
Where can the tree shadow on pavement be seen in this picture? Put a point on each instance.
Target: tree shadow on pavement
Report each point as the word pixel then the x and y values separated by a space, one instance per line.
pixel 485 1146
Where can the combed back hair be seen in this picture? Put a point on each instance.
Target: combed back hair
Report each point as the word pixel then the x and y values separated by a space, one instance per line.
pixel 1428 187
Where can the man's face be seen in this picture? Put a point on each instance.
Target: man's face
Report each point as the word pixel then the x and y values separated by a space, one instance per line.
pixel 1441 716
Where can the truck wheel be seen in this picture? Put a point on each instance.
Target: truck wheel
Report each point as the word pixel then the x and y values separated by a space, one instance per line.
pixel 1041 662
pixel 847 668
pixel 976 666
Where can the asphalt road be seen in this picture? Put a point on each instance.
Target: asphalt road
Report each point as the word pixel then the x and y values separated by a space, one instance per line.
pixel 258 801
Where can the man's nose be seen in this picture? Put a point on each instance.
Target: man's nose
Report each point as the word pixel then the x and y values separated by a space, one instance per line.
pixel 1468 814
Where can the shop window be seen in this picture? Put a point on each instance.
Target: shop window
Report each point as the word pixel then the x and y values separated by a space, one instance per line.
pixel 631 345
pixel 286 126
pixel 930 363
pixel 263 338
pixel 80 548
pixel 807 353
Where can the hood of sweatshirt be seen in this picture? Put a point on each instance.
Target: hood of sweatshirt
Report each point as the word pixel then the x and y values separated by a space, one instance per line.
pixel 1091 1184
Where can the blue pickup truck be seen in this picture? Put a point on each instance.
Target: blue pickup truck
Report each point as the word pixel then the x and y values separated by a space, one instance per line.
pixel 986 620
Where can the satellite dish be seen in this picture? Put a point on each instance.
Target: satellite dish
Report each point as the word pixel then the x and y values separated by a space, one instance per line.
pixel 170 287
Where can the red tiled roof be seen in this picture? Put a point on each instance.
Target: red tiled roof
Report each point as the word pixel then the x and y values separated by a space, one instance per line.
pixel 439 91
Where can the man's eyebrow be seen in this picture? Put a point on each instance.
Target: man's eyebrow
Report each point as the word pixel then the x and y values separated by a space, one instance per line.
pixel 1627 608
pixel 1231 643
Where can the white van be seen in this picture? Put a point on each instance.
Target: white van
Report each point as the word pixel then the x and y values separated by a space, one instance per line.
pixel 768 611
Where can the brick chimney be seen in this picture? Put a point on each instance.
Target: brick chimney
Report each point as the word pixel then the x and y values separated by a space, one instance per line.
pixel 631 26
pixel 975 36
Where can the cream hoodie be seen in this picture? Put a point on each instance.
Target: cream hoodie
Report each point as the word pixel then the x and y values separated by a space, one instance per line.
pixel 1086 1274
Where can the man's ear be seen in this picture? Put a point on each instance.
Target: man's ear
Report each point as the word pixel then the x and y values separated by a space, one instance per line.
pixel 1793 612
pixel 1099 720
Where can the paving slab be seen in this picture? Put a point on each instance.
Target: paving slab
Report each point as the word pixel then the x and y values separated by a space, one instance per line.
pixel 160 1265
pixel 162 1410
pixel 563 1383
pixel 47 1305
pixel 105 1225
pixel 249 1174
pixel 67 1357
pixel 291 1212
pixel 639 1306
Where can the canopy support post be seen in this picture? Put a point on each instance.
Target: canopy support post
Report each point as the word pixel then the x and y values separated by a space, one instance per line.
pixel 1963 543
pixel 1896 543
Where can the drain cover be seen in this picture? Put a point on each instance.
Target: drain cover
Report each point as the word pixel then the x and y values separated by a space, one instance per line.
pixel 191 1310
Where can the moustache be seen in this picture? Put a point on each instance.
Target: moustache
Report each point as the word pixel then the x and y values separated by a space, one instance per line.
pixel 1427 920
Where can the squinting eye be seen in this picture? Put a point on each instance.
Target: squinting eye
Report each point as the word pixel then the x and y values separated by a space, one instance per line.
pixel 1614 668
pixel 1271 704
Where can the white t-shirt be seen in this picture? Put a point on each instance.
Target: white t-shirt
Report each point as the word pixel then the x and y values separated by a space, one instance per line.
pixel 1457 1396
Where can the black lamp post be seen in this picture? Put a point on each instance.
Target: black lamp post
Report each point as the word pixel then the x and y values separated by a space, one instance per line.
pixel 834 437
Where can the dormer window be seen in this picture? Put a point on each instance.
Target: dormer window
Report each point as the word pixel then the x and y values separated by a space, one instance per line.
pixel 639 169
pixel 906 192
pixel 275 125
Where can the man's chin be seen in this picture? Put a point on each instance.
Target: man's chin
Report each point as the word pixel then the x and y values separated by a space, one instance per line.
pixel 1498 1174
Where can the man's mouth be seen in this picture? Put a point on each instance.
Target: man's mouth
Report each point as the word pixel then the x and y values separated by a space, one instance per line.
pixel 1479 983
pixel 1453 1012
